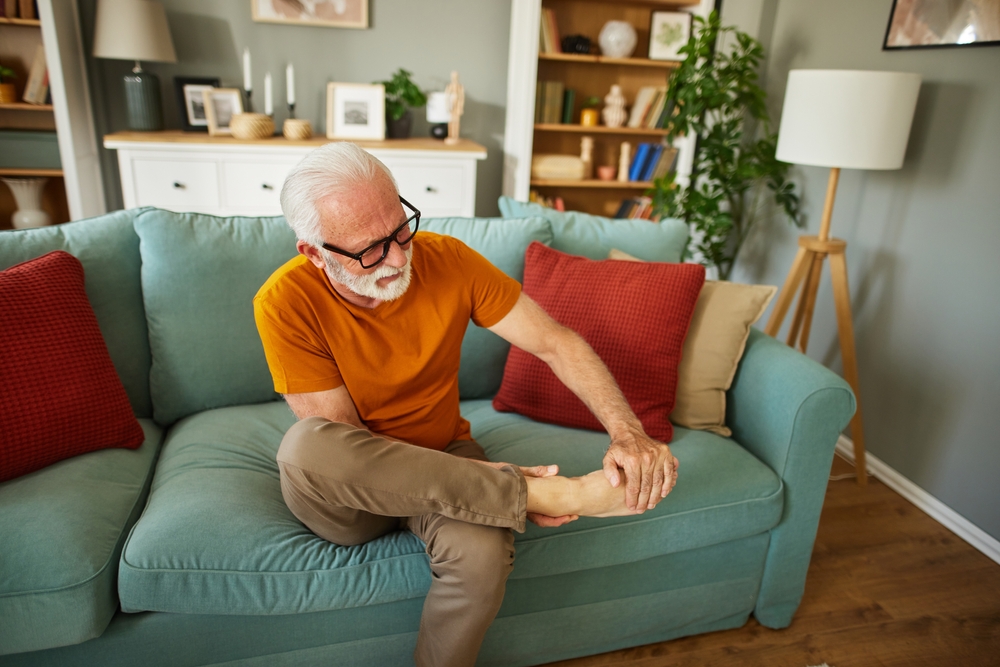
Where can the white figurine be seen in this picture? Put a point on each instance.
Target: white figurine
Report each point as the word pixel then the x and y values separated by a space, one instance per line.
pixel 614 107
pixel 587 155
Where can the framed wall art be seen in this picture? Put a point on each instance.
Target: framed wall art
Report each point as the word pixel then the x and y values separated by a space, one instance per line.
pixel 355 111
pixel 927 24
pixel 668 32
pixel 329 13
pixel 191 100
pixel 221 104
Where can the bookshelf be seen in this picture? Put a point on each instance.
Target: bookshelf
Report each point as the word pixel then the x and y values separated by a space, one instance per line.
pixel 589 75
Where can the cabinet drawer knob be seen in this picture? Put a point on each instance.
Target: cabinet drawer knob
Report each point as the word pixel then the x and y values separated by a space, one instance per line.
pixel 267 186
pixel 431 188
pixel 178 185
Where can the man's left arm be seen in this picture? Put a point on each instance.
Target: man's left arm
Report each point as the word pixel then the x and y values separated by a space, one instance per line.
pixel 650 469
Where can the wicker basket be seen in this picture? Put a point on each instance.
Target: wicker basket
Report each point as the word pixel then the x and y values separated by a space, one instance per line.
pixel 252 126
pixel 297 129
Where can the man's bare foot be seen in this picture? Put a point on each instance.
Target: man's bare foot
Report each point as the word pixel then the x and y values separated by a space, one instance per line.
pixel 590 495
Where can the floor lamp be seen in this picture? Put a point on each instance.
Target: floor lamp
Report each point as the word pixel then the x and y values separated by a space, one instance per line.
pixel 840 119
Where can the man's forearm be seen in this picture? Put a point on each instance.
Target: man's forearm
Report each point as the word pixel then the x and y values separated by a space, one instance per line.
pixel 578 367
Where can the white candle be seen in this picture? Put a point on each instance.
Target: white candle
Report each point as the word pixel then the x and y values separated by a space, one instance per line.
pixel 290 83
pixel 247 81
pixel 268 107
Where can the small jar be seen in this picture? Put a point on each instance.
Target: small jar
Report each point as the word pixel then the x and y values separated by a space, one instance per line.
pixel 589 117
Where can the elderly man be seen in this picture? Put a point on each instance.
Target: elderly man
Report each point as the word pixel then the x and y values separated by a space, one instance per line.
pixel 362 333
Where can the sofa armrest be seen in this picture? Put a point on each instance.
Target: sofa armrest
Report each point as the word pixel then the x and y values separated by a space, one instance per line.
pixel 788 411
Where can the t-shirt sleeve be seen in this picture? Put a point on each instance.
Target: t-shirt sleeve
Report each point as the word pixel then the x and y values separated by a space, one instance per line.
pixel 494 293
pixel 298 363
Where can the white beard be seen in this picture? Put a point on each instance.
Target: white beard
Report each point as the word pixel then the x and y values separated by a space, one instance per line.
pixel 367 285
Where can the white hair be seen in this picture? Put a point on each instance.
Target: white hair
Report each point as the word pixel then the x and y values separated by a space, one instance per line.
pixel 330 169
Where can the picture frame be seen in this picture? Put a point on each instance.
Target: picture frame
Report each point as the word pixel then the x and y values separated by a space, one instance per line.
pixel 325 13
pixel 188 91
pixel 355 111
pixel 668 32
pixel 936 24
pixel 221 104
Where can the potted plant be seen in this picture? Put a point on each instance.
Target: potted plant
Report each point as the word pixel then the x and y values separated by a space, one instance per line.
pixel 716 98
pixel 590 111
pixel 401 95
pixel 8 94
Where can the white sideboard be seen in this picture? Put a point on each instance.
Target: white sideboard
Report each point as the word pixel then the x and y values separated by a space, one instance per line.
pixel 182 171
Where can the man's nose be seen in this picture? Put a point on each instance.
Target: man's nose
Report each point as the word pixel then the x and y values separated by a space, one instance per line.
pixel 396 257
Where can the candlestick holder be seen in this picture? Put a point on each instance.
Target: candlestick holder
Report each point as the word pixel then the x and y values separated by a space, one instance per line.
pixel 249 93
pixel 291 110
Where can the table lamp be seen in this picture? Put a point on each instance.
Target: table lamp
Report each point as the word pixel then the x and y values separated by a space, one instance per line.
pixel 841 119
pixel 136 30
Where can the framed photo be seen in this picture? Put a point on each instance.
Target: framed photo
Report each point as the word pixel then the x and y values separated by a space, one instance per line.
pixel 927 24
pixel 668 32
pixel 221 104
pixel 330 13
pixel 355 111
pixel 192 103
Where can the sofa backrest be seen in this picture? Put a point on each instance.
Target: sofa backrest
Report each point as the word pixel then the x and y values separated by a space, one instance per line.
pixel 108 247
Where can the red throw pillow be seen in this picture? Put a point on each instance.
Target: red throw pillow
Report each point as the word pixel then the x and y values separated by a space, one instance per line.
pixel 634 315
pixel 59 393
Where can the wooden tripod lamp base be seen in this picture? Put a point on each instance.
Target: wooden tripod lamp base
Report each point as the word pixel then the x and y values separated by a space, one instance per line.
pixel 805 273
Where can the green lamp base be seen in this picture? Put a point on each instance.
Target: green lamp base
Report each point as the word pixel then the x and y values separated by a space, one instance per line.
pixel 142 98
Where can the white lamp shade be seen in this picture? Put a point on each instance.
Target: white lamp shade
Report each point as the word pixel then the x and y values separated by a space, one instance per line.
pixel 133 30
pixel 847 118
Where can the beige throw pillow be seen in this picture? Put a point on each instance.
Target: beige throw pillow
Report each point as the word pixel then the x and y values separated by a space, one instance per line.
pixel 713 348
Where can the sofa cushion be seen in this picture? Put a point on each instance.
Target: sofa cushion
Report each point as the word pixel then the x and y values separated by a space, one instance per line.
pixel 53 355
pixel 217 538
pixel 504 243
pixel 109 250
pixel 634 315
pixel 63 528
pixel 594 236
pixel 199 276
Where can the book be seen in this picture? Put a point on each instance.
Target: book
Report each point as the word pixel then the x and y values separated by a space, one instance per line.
pixel 10 8
pixel 552 28
pixel 638 162
pixel 539 98
pixel 624 208
pixel 650 166
pixel 552 112
pixel 641 105
pixel 666 162
pixel 33 89
pixel 656 108
pixel 569 102
pixel 665 113
pixel 27 9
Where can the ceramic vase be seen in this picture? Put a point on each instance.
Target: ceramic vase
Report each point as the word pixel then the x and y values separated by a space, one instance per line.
pixel 617 39
pixel 28 195
pixel 614 107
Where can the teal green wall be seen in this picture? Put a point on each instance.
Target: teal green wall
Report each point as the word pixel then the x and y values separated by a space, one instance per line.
pixel 922 249
pixel 430 38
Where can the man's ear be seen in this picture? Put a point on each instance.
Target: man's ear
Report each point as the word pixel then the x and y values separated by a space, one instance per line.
pixel 312 253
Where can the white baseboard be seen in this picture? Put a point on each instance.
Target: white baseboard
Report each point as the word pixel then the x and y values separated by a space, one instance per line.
pixel 924 501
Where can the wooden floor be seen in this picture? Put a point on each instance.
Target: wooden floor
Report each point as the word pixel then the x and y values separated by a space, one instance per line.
pixel 887 585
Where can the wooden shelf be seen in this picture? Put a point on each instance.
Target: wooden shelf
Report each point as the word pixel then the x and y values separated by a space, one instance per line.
pixel 593 183
pixel 24 106
pixel 604 60
pixel 598 129
pixel 24 22
pixel 4 171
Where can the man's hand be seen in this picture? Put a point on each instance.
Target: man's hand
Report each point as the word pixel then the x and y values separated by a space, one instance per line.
pixel 650 469
pixel 543 520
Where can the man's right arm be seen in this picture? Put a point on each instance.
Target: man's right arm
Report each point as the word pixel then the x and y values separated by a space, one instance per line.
pixel 335 405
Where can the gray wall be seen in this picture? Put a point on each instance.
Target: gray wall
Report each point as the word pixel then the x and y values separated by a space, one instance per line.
pixel 923 247
pixel 430 38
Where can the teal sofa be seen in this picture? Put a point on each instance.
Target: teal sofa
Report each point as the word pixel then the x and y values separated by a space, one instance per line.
pixel 182 552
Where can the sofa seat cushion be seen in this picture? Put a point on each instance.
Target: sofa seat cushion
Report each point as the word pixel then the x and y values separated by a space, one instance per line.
pixel 63 528
pixel 723 493
pixel 217 538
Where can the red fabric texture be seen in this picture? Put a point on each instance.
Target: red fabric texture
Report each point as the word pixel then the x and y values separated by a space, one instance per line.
pixel 635 316
pixel 59 393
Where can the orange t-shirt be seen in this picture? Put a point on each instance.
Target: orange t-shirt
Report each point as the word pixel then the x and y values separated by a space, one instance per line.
pixel 399 360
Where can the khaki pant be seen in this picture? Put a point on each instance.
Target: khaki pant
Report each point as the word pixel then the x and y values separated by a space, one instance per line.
pixel 349 487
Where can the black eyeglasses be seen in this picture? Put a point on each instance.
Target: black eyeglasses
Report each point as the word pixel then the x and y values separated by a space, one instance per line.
pixel 376 253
